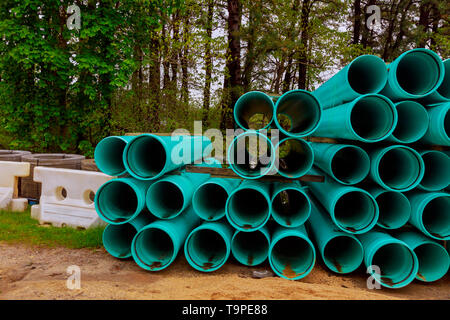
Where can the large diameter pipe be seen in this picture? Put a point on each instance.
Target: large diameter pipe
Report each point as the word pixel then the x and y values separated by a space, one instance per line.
pixel 414 74
pixel 396 168
pixel 254 110
pixel 251 248
pixel 119 201
pixel 291 254
pixel 156 245
pixel 439 126
pixel 412 122
pixel 297 113
pixel 352 209
pixel 437 171
pixel 369 118
pixel 290 204
pixel 208 246
pixel 434 260
pixel 391 262
pixel 431 213
pixel 365 74
pixel 149 156
pixel 108 155
pixel 248 207
pixel 394 206
pixel 296 157
pixel 341 252
pixel 345 163
pixel 441 94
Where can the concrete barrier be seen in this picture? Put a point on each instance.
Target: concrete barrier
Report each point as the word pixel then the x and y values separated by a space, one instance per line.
pixel 10 172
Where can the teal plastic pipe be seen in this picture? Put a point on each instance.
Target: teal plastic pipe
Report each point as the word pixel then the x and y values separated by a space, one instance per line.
pixel 341 252
pixel 109 155
pixel 119 201
pixel 210 198
pixel 397 262
pixel 251 155
pixel 352 209
pixel 439 126
pixel 394 206
pixel 208 246
pixel 297 113
pixel 290 204
pixel 117 239
pixel 296 157
pixel 437 170
pixel 156 245
pixel 250 107
pixel 396 168
pixel 345 163
pixel 248 207
pixel 369 118
pixel 442 94
pixel 251 248
pixel 431 213
pixel 148 156
pixel 412 122
pixel 434 260
pixel 414 74
pixel 365 74
pixel 291 254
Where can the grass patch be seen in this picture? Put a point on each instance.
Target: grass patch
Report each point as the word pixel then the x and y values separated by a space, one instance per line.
pixel 19 227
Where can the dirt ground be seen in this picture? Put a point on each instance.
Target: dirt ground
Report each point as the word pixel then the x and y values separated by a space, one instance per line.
pixel 40 273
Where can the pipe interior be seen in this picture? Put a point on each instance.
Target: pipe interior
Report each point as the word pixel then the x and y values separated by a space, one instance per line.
pixel 207 249
pixel 291 208
pixel 447 123
pixel 395 209
pixel 399 168
pixel 210 200
pixel 117 239
pixel 295 157
pixel 155 248
pixel 412 122
pixel 165 199
pixel 367 74
pixel 433 261
pixel 436 217
pixel 355 210
pixel 343 254
pixel 248 208
pixel 444 88
pixel 437 170
pixel 109 154
pixel 117 201
pixel 292 256
pixel 350 165
pixel 250 248
pixel 254 111
pixel 146 156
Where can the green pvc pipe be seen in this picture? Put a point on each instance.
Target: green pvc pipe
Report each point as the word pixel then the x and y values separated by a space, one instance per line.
pixel 442 94
pixel 119 201
pixel 365 74
pixel 156 245
pixel 251 248
pixel 208 246
pixel 291 254
pixel 251 155
pixel 295 156
pixel 108 155
pixel 345 163
pixel 352 209
pixel 396 168
pixel 434 260
pixel 439 126
pixel 290 204
pixel 149 156
pixel 394 206
pixel 248 207
pixel 297 113
pixel 210 198
pixel 394 259
pixel 431 213
pixel 437 171
pixel 251 108
pixel 414 74
pixel 412 122
pixel 368 118
pixel 341 252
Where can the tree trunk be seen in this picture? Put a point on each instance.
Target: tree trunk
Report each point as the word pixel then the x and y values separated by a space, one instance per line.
pixel 356 21
pixel 302 68
pixel 208 62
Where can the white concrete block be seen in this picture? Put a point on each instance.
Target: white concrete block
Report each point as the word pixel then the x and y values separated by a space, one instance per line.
pixel 18 205
pixel 9 173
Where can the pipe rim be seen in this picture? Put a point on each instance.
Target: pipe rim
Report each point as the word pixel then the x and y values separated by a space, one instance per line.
pixel 199 211
pixel 247 261
pixel 410 137
pixel 277 217
pixel 364 159
pixel 400 222
pixel 375 60
pixel 152 193
pixel 335 268
pixel 420 212
pixel 112 249
pixel 442 158
pixel 246 95
pixel 309 155
pixel 444 255
pixel 105 166
pixel 445 82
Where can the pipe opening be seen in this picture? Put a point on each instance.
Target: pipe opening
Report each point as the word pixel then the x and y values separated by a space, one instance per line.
pixel 248 208
pixel 444 88
pixel 412 122
pixel 447 123
pixel 367 74
pixel 292 257
pixel 350 165
pixel 343 254
pixel 154 248
pixel 117 201
pixel 207 249
pixel 433 261
pixel 117 239
pixel 395 209
pixel 355 211
pixel 146 156
pixel 437 171
pixel 250 248
pixel 296 157
pixel 109 156
pixel 436 217
pixel 209 201
pixel 165 199
pixel 291 208
pixel 254 110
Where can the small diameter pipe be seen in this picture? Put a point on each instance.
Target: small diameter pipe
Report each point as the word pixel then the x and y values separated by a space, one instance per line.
pixel 290 204
pixel 109 155
pixel 341 252
pixel 439 126
pixel 365 74
pixel 412 122
pixel 434 260
pixel 296 157
pixel 369 118
pixel 391 262
pixel 442 94
pixel 119 201
pixel 291 254
pixel 254 110
pixel 431 213
pixel 414 74
pixel 396 168
pixel 297 113
pixel 394 206
pixel 208 246
pixel 248 208
pixel 347 164
pixel 251 248
pixel 437 171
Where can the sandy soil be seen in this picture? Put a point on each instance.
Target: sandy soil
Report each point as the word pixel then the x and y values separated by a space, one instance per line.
pixel 40 273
